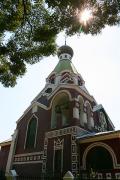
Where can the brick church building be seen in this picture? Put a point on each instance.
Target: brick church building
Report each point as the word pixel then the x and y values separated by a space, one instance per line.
pixel 63 129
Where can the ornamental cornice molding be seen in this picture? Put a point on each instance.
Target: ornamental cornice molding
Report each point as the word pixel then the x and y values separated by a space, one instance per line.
pixel 73 87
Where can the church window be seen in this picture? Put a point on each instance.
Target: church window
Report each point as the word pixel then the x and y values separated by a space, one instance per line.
pixel 49 90
pixel 31 133
pixel 52 79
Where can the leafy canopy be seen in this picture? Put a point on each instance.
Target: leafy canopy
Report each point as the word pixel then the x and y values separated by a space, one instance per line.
pixel 32 27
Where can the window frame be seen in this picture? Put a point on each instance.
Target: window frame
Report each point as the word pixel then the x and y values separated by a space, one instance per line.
pixel 33 116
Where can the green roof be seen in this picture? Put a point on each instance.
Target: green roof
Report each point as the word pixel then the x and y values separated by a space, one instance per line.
pixel 65 64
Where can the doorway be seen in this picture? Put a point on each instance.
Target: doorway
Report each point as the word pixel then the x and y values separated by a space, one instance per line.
pixel 58 163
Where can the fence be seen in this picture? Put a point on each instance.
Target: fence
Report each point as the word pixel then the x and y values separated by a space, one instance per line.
pixel 81 176
pixel 98 175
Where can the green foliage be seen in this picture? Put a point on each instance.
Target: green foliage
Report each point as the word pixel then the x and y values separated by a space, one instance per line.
pixel 34 25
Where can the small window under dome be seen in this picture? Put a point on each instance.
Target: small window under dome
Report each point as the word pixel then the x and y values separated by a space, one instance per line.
pixel 48 90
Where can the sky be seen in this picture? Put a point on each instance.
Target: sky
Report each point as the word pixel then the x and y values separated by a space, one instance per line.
pixel 96 58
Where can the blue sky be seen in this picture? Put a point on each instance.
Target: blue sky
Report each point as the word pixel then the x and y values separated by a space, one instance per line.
pixel 97 59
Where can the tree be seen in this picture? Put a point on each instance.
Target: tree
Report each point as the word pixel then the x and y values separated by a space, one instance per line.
pixel 34 25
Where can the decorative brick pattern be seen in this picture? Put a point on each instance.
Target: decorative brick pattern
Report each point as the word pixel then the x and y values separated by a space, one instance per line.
pixel 45 155
pixel 108 176
pixel 30 157
pixel 74 155
pixel 99 176
pixel 61 132
pixel 117 175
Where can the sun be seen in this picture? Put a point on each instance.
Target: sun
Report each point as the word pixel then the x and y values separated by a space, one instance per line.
pixel 85 16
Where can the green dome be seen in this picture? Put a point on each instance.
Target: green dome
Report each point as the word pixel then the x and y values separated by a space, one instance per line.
pixel 65 63
pixel 65 49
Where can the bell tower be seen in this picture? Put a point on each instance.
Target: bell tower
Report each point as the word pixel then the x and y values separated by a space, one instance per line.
pixel 71 115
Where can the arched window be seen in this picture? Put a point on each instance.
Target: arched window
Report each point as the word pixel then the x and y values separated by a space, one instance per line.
pixel 60 111
pixel 52 79
pixel 31 133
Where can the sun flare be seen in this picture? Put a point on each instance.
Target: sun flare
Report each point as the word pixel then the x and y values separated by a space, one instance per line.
pixel 85 15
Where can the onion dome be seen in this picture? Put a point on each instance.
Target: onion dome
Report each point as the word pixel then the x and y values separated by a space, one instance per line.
pixel 65 50
pixel 65 54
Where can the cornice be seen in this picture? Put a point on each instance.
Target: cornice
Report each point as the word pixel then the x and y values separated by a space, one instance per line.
pixel 74 87
pixel 5 143
pixel 111 135
pixel 28 154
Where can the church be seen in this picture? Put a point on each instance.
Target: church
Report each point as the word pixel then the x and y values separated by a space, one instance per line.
pixel 64 129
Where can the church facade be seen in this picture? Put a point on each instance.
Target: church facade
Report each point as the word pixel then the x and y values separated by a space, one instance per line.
pixel 64 129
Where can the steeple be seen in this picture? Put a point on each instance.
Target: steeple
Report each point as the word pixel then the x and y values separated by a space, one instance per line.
pixel 65 72
pixel 65 54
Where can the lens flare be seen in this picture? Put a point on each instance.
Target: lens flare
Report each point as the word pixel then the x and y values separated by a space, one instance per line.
pixel 85 16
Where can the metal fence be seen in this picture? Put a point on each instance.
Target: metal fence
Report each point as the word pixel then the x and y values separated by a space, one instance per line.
pixel 37 178
pixel 45 177
pixel 98 175
pixel 81 176
pixel 28 178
